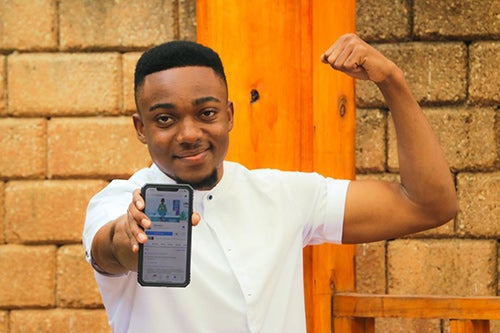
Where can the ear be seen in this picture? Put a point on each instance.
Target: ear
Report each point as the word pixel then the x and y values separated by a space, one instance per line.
pixel 139 127
pixel 230 111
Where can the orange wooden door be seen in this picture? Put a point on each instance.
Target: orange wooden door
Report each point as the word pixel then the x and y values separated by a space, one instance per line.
pixel 260 45
pixel 291 111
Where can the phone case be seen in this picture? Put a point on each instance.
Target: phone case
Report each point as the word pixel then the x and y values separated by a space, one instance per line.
pixel 170 195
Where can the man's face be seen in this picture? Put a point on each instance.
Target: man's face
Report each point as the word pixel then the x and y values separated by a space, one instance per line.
pixel 185 120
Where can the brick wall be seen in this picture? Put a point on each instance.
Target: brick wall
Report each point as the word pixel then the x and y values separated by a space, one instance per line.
pixel 66 78
pixel 448 50
pixel 65 129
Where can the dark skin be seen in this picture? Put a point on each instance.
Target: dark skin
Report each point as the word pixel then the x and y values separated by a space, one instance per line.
pixel 185 118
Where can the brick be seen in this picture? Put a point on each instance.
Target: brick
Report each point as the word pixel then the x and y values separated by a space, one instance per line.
pixel 374 22
pixel 435 72
pixel 59 320
pixel 494 326
pixel 128 24
pixel 408 325
pixel 129 62
pixel 497 138
pixel 187 19
pixel 3 87
pixel 47 211
pixel 466 135
pixel 4 322
pixel 64 84
pixel 94 147
pixel 479 199
pixel 448 266
pixel 498 272
pixel 445 230
pixel 484 86
pixel 388 177
pixel 23 144
pixel 370 141
pixel 28 275
pixel 463 19
pixel 32 27
pixel 76 286
pixel 370 268
pixel 2 210
pixel 371 278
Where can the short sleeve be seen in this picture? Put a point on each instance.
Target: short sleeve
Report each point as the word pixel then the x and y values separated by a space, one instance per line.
pixel 329 226
pixel 104 207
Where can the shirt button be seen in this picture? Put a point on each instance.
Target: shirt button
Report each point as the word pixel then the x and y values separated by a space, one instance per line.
pixel 210 197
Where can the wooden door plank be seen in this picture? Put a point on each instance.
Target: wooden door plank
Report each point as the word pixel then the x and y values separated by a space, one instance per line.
pixel 265 48
pixel 334 123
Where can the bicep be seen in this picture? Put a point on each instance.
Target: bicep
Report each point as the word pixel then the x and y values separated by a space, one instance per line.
pixel 378 210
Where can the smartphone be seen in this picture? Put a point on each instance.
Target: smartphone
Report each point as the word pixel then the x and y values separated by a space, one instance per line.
pixel 165 259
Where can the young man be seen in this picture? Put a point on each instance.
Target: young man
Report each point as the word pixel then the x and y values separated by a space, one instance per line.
pixel 251 224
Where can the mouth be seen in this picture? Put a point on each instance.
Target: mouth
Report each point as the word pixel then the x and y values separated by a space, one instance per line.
pixel 192 156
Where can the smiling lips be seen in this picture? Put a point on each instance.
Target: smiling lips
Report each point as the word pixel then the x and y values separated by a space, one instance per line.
pixel 192 156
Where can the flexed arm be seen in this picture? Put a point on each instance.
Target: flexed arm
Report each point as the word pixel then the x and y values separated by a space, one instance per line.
pixel 425 198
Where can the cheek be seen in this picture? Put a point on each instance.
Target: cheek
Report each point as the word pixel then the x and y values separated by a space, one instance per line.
pixel 223 139
pixel 159 141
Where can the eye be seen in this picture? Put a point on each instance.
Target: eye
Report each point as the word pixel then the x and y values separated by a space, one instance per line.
pixel 164 119
pixel 208 114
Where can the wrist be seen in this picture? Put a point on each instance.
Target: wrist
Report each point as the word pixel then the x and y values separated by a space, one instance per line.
pixel 395 77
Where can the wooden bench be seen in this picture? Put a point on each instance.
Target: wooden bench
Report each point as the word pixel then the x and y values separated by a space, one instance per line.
pixel 356 313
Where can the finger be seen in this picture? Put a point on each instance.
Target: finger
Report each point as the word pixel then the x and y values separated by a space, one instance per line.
pixel 357 56
pixel 138 200
pixel 351 59
pixel 342 60
pixel 138 217
pixel 195 219
pixel 331 54
pixel 136 209
pixel 135 232
pixel 336 49
pixel 125 222
pixel 360 62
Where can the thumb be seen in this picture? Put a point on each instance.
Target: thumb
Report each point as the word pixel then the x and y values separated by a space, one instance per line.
pixel 195 219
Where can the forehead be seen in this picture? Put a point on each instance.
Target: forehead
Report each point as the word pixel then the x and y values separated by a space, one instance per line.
pixel 182 82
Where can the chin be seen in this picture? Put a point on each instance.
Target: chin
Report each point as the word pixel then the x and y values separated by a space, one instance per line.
pixel 204 183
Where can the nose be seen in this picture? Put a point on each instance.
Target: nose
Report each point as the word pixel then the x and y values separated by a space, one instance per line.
pixel 188 131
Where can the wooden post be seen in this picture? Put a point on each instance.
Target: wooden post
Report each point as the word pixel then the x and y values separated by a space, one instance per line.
pixel 291 111
pixel 334 120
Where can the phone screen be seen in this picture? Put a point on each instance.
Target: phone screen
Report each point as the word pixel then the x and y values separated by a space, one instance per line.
pixel 165 258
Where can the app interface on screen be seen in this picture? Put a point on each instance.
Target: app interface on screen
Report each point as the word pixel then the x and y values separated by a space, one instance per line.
pixel 165 253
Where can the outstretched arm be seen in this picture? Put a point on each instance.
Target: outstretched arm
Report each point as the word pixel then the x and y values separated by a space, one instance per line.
pixel 116 244
pixel 425 198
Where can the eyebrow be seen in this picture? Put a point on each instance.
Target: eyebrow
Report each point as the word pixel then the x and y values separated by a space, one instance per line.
pixel 202 100
pixel 196 102
pixel 169 106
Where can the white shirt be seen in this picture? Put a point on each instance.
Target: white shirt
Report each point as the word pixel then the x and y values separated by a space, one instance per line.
pixel 246 260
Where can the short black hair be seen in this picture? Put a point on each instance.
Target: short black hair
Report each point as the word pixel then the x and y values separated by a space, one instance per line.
pixel 176 54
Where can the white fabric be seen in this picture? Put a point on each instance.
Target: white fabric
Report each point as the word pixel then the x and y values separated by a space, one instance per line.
pixel 246 253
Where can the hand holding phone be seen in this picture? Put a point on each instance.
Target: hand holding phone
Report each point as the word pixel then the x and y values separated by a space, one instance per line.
pixel 165 259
